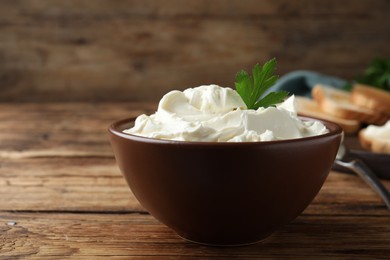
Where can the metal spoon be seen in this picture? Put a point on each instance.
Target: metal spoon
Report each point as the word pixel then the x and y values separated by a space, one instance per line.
pixel 364 172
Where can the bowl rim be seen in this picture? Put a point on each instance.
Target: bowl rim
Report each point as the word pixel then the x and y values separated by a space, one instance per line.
pixel 114 129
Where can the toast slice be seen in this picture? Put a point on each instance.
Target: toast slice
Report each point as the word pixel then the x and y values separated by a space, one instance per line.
pixel 338 103
pixel 376 138
pixel 310 108
pixel 371 98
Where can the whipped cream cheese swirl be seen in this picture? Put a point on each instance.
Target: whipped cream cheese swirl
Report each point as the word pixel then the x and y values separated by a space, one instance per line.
pixel 215 114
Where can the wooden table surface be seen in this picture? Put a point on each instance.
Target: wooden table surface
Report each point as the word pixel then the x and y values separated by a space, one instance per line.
pixel 62 195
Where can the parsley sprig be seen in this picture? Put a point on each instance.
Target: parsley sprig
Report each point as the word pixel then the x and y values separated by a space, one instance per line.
pixel 251 89
pixel 376 75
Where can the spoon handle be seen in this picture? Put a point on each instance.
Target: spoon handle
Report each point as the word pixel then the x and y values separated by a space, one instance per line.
pixel 369 177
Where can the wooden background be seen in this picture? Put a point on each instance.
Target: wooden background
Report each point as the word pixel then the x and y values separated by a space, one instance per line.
pixel 103 50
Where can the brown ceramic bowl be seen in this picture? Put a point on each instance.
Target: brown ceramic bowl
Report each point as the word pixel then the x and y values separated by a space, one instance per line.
pixel 224 193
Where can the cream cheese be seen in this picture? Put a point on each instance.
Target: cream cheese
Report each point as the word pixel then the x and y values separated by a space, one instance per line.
pixel 212 113
pixel 379 132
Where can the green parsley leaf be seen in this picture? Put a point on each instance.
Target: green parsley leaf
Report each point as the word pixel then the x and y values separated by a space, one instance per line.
pixel 376 75
pixel 252 89
pixel 272 99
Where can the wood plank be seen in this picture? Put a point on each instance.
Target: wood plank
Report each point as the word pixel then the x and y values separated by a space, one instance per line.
pixel 85 236
pixel 64 184
pixel 57 202
pixel 58 206
pixel 67 51
pixel 347 194
pixel 51 155
pixel 67 129
pixel 95 184
pixel 201 8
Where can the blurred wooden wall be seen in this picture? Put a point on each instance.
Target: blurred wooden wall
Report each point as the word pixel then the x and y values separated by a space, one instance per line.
pixel 105 50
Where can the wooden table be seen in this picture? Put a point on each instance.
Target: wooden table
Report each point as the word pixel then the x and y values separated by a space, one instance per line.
pixel 62 195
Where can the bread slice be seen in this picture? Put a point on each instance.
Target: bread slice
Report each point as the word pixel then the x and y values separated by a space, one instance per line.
pixel 376 138
pixel 371 98
pixel 338 103
pixel 310 108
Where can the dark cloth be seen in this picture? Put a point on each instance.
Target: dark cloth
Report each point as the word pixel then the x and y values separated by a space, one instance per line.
pixel 301 82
